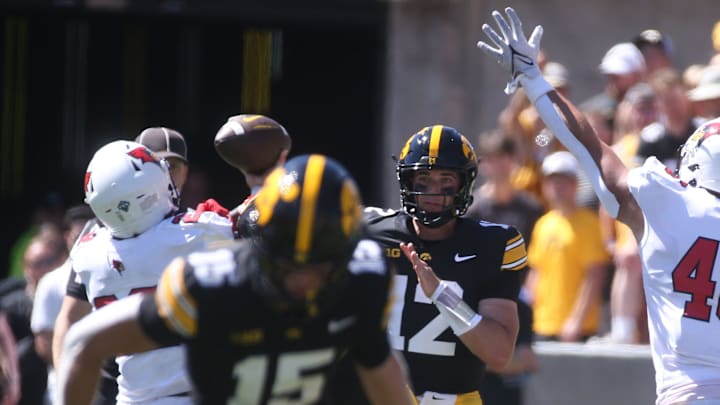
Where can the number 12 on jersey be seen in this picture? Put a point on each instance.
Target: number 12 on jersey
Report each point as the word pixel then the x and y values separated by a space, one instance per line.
pixel 425 340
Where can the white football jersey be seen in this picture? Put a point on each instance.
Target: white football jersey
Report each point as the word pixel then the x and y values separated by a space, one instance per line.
pixel 111 269
pixel 679 251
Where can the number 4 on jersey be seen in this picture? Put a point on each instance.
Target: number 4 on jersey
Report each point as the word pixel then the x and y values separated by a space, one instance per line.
pixel 693 275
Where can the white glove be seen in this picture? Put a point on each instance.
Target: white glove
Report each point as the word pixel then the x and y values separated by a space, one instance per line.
pixel 513 51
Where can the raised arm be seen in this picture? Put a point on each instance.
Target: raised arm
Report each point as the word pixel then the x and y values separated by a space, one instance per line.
pixel 608 175
pixel 600 160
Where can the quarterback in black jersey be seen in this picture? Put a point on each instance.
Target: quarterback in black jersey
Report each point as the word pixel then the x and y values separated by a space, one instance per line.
pixel 265 318
pixel 457 280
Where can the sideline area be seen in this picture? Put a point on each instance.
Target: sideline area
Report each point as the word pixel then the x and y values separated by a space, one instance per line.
pixel 593 373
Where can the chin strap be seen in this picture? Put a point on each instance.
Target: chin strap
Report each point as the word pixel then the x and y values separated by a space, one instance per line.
pixel 438 221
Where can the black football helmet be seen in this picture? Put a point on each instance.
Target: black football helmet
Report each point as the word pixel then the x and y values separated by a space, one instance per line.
pixel 437 147
pixel 308 212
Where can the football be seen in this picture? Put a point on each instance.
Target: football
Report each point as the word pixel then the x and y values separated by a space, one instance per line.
pixel 251 142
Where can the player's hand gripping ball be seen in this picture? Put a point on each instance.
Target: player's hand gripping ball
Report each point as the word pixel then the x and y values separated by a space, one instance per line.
pixel 251 143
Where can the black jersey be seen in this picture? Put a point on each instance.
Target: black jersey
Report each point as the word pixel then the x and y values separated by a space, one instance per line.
pixel 241 349
pixel 483 259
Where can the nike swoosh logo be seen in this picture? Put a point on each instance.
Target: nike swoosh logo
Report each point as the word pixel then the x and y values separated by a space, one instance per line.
pixel 460 259
pixel 336 326
pixel 443 399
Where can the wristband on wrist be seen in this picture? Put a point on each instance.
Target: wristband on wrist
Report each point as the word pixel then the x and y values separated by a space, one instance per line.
pixel 454 310
pixel 535 86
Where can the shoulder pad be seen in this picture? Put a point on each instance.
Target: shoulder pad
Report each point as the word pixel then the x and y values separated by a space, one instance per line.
pixel 214 268
pixel 370 213
pixel 489 224
pixel 367 258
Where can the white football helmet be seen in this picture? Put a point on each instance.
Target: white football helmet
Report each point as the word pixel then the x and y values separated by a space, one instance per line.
pixel 700 157
pixel 129 188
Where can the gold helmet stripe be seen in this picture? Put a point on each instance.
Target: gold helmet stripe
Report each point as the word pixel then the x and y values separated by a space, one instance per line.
pixel 308 206
pixel 435 142
pixel 468 150
pixel 351 213
pixel 406 148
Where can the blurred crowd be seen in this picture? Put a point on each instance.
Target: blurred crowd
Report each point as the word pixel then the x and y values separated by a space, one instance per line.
pixel 585 281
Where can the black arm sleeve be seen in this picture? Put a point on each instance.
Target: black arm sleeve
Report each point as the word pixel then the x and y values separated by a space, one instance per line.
pixel 75 289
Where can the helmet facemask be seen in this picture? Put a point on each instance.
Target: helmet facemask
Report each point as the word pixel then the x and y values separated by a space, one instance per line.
pixel 699 164
pixel 409 193
pixel 688 167
pixel 275 272
pixel 432 148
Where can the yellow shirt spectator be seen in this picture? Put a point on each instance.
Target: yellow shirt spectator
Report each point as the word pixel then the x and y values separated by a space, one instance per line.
pixel 561 250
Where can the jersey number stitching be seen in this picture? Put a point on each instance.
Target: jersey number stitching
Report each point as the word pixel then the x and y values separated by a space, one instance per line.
pixel 424 341
pixel 101 301
pixel 299 378
pixel 693 275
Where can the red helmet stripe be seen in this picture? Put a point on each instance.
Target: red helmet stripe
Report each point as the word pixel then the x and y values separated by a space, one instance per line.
pixel 86 181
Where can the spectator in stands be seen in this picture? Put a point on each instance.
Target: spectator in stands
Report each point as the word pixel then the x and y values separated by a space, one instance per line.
pixel 51 291
pixel 628 323
pixel 715 37
pixel 9 368
pixel 622 66
pixel 48 214
pixel 496 200
pixel 692 74
pixel 520 121
pixel 656 48
pixel 664 137
pixel 706 96
pixel 45 252
pixel 567 258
